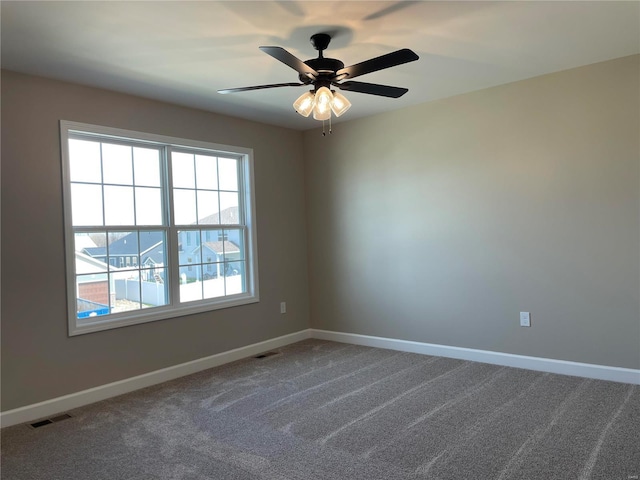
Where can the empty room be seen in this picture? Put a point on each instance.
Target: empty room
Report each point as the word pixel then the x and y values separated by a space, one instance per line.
pixel 320 240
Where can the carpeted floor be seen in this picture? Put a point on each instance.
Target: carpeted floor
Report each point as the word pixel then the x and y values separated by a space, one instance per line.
pixel 329 411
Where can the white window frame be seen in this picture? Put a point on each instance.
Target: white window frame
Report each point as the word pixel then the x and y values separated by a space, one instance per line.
pixel 174 308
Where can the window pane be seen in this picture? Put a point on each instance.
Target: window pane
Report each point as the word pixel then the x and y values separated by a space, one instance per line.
pixel 206 172
pixel 212 249
pixel 182 170
pixel 154 288
pixel 214 218
pixel 213 285
pixel 121 246
pixel 190 241
pixel 92 295
pixel 146 165
pixel 229 208
pixel 89 259
pixel 92 248
pixel 84 161
pixel 212 253
pixel 86 204
pixel 148 206
pixel 228 172
pixel 190 286
pixel 207 207
pixel 116 164
pixel 153 249
pixel 127 291
pixel 234 277
pixel 208 235
pixel 234 247
pixel 118 205
pixel 184 207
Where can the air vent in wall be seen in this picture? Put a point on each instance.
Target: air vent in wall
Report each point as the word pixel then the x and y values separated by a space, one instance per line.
pixel 266 354
pixel 48 421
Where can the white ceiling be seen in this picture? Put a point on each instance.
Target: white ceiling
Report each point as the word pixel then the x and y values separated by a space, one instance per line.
pixel 182 52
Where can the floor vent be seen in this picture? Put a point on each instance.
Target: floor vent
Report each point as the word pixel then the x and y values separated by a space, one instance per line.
pixel 267 354
pixel 49 421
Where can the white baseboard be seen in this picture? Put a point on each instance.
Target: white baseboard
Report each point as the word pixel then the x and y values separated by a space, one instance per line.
pixel 587 370
pixel 54 406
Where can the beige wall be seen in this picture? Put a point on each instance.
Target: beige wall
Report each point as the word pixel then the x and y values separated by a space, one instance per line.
pixel 39 360
pixel 441 222
pixel 437 223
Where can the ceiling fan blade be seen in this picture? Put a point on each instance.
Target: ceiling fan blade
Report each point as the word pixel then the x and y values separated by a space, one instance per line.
pixel 372 89
pixel 260 87
pixel 379 63
pixel 292 61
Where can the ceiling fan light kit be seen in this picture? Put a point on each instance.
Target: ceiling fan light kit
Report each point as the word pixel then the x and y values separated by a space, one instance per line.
pixel 322 107
pixel 339 104
pixel 305 103
pixel 323 73
pixel 321 103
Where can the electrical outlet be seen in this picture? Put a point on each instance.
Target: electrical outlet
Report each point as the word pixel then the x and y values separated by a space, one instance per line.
pixel 283 307
pixel 525 319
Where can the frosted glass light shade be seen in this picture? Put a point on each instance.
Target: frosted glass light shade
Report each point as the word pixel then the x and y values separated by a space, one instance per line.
pixel 321 114
pixel 304 104
pixel 340 104
pixel 322 108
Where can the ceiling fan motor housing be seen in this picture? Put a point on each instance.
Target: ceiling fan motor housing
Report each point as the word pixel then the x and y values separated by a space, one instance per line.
pixel 326 67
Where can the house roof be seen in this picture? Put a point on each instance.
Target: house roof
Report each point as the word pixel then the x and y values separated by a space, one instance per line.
pixel 88 264
pixel 95 251
pixel 228 216
pixel 151 245
pixel 82 242
pixel 128 245
pixel 217 247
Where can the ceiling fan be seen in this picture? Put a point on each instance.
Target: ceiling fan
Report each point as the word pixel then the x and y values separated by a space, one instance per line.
pixel 322 73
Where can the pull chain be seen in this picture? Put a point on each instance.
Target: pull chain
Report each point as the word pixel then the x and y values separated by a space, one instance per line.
pixel 324 134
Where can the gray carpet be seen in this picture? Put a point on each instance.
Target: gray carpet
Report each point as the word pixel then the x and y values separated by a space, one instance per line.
pixel 329 411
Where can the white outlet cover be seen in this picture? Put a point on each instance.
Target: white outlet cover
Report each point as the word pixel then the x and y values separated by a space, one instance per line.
pixel 525 319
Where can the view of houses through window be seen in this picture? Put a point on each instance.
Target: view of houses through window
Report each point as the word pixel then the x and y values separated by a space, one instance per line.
pixel 154 226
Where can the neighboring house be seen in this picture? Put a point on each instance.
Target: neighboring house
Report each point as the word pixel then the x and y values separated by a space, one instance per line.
pixel 126 252
pixel 220 252
pixel 228 216
pixel 219 247
pixel 213 256
pixel 102 288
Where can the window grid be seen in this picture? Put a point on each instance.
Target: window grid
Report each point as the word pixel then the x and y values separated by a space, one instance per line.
pixel 133 262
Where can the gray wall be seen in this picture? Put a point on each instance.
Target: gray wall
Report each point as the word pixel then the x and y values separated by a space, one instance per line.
pixel 441 222
pixel 39 360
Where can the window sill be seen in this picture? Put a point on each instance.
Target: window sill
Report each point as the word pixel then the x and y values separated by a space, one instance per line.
pixel 96 324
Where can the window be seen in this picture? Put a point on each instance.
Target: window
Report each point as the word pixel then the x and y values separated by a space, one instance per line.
pixel 151 205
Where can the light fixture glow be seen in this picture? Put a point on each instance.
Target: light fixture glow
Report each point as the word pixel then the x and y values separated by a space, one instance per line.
pixel 321 102
pixel 340 104
pixel 322 108
pixel 321 113
pixel 304 104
